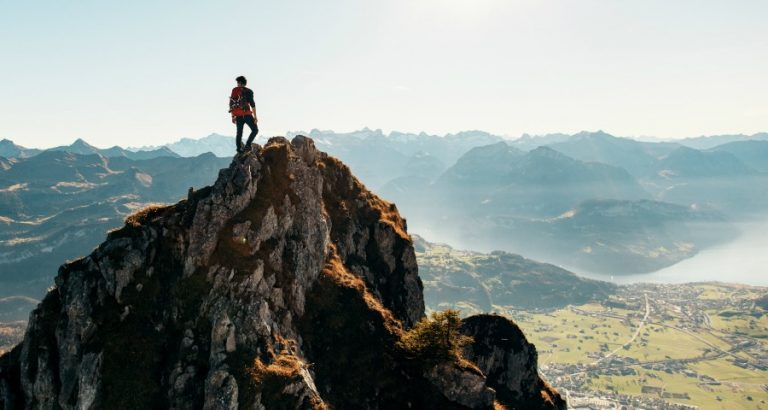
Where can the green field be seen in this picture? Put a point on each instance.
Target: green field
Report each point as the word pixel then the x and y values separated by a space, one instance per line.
pixel 566 337
pixel 726 396
pixel 678 351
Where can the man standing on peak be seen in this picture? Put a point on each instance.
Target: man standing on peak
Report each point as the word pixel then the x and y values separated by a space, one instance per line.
pixel 240 104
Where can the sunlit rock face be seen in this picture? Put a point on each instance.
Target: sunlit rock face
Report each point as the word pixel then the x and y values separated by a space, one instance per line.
pixel 285 285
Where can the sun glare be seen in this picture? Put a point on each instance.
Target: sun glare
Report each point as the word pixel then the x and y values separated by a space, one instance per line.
pixel 467 9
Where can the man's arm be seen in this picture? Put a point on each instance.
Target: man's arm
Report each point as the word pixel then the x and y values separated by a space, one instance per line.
pixel 253 105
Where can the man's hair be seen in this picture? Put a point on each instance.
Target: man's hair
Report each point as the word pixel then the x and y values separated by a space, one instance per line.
pixel 241 80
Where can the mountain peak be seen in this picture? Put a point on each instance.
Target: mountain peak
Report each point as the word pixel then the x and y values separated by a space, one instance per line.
pixel 547 152
pixel 81 143
pixel 10 149
pixel 215 136
pixel 223 299
pixel 598 135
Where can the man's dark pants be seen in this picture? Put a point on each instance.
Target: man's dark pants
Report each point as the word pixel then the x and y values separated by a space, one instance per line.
pixel 240 121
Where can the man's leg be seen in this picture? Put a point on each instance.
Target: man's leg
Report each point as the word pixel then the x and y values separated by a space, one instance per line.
pixel 239 141
pixel 254 130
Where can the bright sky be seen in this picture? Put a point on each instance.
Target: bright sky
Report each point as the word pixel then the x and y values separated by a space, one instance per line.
pixel 148 72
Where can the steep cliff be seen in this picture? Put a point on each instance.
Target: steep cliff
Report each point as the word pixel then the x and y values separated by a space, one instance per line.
pixel 285 285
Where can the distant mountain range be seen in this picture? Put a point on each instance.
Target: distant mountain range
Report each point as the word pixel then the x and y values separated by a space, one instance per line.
pixel 637 157
pixel 9 150
pixel 216 144
pixel 528 142
pixel 449 147
pixel 540 183
pixel 377 158
pixel 472 189
pixel 83 148
pixel 709 142
pixel 58 205
pixel 752 153
pixel 374 157
pixel 650 205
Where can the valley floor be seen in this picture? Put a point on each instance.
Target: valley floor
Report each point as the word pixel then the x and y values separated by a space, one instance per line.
pixel 657 346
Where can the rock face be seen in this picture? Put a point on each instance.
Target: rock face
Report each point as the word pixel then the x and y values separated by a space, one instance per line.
pixel 285 285
pixel 508 361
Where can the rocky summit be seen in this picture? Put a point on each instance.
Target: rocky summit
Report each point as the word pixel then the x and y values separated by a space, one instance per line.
pixel 285 285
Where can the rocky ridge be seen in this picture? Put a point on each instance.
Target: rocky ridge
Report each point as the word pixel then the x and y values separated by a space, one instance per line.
pixel 285 285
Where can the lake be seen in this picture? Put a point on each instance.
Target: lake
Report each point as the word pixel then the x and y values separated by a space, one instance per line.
pixel 743 260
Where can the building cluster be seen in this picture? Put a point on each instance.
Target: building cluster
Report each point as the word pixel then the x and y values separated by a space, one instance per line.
pixel 604 401
pixel 680 308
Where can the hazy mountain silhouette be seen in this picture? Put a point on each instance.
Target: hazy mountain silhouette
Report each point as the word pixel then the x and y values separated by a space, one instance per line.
pixel 636 157
pixel 499 179
pixel 707 142
pixel 373 156
pixel 528 142
pixel 216 144
pixel 547 205
pixel 752 153
pixel 690 163
pixel 377 158
pixel 716 179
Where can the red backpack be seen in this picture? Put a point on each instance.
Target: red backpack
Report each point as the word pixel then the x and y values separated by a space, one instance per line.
pixel 238 101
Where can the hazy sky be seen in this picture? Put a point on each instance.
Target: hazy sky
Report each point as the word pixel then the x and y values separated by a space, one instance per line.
pixel 148 72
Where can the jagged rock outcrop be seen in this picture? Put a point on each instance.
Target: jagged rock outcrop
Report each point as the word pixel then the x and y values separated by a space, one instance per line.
pixel 285 285
pixel 509 362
